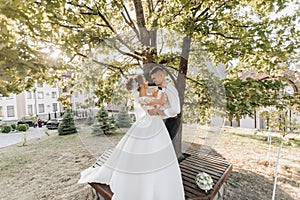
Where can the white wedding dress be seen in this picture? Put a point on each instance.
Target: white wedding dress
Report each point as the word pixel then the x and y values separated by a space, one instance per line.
pixel 143 165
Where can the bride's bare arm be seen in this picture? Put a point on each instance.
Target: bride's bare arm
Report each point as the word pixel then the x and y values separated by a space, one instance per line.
pixel 162 101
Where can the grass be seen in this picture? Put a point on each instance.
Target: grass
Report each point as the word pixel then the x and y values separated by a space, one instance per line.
pixel 10 163
pixel 275 140
pixel 17 155
pixel 14 157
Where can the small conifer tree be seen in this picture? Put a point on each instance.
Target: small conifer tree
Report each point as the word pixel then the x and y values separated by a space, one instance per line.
pixel 67 125
pixel 124 119
pixel 105 124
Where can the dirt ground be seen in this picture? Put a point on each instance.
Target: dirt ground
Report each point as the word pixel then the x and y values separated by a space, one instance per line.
pixel 49 168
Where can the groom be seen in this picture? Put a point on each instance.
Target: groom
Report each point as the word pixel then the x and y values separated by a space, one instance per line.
pixel 170 111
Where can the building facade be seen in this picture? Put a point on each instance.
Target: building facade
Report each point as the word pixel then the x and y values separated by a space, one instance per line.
pixel 40 101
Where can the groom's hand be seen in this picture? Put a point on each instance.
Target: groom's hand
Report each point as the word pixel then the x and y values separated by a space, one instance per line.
pixel 153 111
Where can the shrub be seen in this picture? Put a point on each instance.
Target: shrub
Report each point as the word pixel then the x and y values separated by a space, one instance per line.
pixel 22 127
pixel 13 126
pixel 6 129
pixel 27 126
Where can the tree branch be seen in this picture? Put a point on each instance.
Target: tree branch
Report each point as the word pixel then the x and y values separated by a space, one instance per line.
pixel 66 26
pixel 179 12
pixel 123 52
pixel 197 8
pixel 244 26
pixel 77 54
pixel 130 22
pixel 208 16
pixel 88 13
pixel 104 19
pixel 224 36
pixel 172 77
pixel 78 5
pixel 150 6
pixel 111 67
pixel 159 1
pixel 101 25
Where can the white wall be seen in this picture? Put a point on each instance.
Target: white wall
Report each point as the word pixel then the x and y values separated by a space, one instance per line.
pixel 247 123
pixel 4 103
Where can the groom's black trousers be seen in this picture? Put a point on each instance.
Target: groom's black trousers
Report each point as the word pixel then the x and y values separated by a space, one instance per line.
pixel 172 125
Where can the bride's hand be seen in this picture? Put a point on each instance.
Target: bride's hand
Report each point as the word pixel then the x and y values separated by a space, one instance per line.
pixel 147 101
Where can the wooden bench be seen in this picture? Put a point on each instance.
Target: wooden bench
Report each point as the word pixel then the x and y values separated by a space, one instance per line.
pixel 201 159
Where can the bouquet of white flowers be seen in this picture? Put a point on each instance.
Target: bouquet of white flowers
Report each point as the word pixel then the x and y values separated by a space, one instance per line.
pixel 204 181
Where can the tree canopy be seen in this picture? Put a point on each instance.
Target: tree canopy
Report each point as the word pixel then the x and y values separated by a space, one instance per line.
pixel 224 30
pixel 246 30
pixel 246 35
pixel 102 41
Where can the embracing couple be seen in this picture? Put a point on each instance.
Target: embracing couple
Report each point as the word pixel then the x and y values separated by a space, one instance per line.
pixel 143 165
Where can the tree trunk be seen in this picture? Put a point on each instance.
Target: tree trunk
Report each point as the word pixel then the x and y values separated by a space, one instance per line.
pixel 181 83
pixel 147 38
pixel 140 18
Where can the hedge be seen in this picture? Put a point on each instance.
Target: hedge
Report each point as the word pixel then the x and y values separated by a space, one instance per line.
pixel 6 129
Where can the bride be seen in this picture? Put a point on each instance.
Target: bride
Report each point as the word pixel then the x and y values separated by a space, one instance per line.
pixel 143 165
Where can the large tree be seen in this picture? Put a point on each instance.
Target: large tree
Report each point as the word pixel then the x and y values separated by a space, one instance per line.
pixel 252 33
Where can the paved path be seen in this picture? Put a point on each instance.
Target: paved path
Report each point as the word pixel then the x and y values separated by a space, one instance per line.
pixel 7 139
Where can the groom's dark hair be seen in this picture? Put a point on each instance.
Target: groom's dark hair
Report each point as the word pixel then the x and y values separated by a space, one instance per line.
pixel 157 69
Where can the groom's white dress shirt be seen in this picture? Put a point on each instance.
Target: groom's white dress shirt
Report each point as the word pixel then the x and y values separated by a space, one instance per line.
pixel 172 108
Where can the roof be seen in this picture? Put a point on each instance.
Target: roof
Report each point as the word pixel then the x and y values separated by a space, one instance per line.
pixel 292 76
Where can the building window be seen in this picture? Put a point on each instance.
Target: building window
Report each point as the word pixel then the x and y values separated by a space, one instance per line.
pixel 54 95
pixel 10 111
pixel 40 95
pixel 65 89
pixel 29 95
pixel 54 105
pixel 41 108
pixel 29 110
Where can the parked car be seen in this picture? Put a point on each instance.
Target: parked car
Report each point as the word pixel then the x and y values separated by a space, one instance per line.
pixel 53 123
pixel 27 121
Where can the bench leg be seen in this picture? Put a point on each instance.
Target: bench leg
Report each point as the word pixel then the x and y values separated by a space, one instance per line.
pixel 220 194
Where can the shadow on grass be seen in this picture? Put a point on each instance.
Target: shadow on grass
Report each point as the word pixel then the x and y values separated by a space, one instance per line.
pixel 246 185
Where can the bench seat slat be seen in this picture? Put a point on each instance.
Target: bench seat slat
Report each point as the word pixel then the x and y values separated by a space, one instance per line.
pixel 204 165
